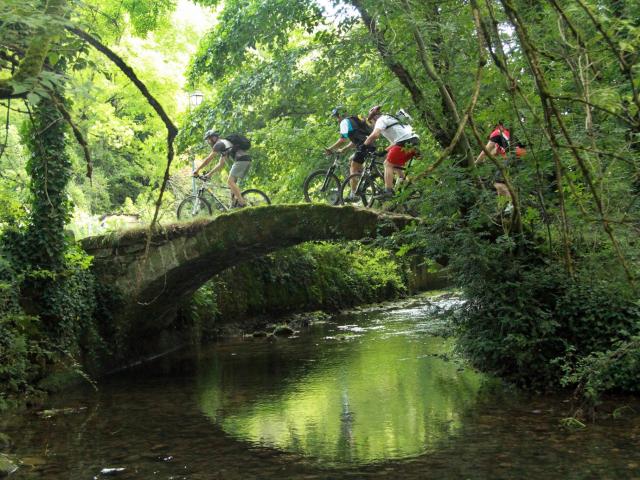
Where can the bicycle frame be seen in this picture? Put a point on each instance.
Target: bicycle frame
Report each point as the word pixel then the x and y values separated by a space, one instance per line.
pixel 204 188
pixel 370 170
pixel 332 168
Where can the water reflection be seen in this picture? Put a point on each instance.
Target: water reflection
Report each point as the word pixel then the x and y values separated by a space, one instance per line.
pixel 346 393
pixel 335 397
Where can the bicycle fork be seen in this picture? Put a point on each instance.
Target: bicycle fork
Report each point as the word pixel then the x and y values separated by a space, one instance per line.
pixel 325 184
pixel 197 204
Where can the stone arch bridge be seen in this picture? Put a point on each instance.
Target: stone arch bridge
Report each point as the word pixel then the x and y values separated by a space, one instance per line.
pixel 182 257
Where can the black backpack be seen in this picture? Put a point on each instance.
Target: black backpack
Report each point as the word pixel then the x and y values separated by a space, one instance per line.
pixel 239 142
pixel 361 130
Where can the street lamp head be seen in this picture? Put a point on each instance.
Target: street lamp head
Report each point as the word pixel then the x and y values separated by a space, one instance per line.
pixel 196 98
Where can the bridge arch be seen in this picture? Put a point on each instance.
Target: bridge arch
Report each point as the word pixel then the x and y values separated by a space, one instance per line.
pixel 182 257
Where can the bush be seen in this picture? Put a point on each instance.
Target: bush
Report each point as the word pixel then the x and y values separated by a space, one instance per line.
pixel 541 329
pixel 305 277
pixel 56 328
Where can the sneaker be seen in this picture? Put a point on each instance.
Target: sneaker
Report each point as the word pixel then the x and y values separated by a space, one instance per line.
pixel 388 193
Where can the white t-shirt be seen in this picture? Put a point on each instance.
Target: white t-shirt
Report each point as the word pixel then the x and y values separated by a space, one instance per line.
pixel 223 146
pixel 394 131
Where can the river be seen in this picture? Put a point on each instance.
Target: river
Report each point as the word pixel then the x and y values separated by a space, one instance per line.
pixel 369 394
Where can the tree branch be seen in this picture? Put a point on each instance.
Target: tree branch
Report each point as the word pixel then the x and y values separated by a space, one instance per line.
pixel 401 72
pixel 77 134
pixel 172 130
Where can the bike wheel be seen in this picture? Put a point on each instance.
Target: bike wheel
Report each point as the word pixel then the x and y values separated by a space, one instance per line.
pixel 345 191
pixel 320 188
pixel 255 198
pixel 193 207
pixel 372 188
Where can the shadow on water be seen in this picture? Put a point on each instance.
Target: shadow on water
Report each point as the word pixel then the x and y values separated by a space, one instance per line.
pixel 369 395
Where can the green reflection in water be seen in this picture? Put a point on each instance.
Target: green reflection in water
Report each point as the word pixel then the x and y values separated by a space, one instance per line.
pixel 382 395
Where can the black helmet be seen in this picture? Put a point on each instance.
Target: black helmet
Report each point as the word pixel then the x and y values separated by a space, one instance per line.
pixel 210 133
pixel 337 111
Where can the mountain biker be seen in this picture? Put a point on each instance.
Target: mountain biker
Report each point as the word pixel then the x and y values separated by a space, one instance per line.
pixel 355 130
pixel 498 144
pixel 224 149
pixel 403 148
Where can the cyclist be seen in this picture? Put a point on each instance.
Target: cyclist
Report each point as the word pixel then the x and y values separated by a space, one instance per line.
pixel 355 130
pixel 498 144
pixel 403 148
pixel 224 149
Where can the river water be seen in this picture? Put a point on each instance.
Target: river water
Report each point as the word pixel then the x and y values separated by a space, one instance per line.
pixel 371 394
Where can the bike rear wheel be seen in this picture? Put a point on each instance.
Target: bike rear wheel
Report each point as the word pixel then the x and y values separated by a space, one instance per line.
pixel 193 207
pixel 255 198
pixel 319 187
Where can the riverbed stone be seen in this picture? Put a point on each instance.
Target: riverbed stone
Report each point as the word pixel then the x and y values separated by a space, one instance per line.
pixel 7 466
pixel 283 331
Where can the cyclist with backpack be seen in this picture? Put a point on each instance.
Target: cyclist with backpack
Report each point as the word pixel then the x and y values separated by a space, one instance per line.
pixel 232 147
pixel 498 145
pixel 402 138
pixel 354 130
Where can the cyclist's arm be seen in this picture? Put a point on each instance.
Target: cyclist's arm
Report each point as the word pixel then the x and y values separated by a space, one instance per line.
pixel 351 145
pixel 373 137
pixel 220 164
pixel 340 141
pixel 491 147
pixel 205 162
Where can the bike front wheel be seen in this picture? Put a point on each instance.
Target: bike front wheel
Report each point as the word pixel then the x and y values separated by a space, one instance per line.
pixel 193 207
pixel 255 198
pixel 366 189
pixel 319 187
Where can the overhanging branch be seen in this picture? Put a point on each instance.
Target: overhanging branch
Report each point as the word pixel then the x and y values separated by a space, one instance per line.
pixel 172 130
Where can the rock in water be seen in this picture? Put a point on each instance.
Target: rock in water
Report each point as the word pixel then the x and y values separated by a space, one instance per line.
pixel 7 467
pixel 283 331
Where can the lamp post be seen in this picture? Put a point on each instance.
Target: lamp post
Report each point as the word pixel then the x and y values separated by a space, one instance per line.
pixel 195 99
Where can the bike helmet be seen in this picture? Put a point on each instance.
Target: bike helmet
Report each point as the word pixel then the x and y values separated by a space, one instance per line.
pixel 210 133
pixel 373 111
pixel 337 111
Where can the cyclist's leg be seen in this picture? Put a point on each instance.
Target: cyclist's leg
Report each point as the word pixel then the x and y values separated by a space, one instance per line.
pixel 236 196
pixel 356 166
pixel 238 170
pixel 400 172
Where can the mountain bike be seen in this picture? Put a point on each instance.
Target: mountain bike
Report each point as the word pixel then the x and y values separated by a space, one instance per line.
pixel 197 206
pixel 369 182
pixel 323 186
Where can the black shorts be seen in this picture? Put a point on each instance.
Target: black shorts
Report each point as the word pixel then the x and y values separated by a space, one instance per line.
pixel 362 151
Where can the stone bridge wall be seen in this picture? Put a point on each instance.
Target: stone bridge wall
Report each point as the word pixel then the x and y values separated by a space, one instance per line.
pixel 182 257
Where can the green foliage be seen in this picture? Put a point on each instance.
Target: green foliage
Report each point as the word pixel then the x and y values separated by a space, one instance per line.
pixel 533 324
pixel 549 293
pixel 199 313
pixel 614 368
pixel 306 277
pixel 21 351
pixel 60 330
pixel 243 26
pixel 49 170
